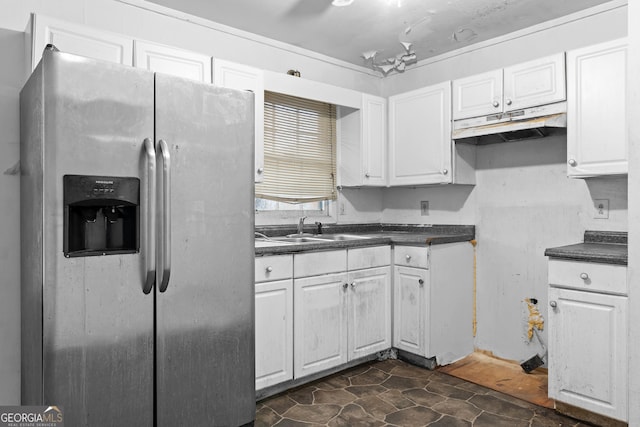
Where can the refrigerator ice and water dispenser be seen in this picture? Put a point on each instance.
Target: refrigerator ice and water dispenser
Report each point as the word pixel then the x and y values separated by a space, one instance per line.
pixel 101 215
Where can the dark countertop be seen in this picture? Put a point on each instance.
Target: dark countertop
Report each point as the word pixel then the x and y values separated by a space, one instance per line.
pixel 599 246
pixel 393 234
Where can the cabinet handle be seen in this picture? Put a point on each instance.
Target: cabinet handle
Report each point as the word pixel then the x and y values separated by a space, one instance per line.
pixel 420 282
pixel 509 102
pixel 269 269
pixel 584 276
pixel 260 170
pixel 345 286
pixel 553 304
pixel 444 171
pixel 366 175
pixel 353 286
pixel 408 257
pixel 573 163
pixel 496 104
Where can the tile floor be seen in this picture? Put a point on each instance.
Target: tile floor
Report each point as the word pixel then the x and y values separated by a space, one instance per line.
pixel 395 393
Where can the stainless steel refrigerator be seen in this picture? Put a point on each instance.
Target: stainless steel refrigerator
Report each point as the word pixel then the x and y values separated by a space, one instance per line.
pixel 137 246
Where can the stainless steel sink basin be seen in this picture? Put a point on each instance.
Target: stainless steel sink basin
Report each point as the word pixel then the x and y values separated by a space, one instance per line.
pixel 336 237
pixel 299 239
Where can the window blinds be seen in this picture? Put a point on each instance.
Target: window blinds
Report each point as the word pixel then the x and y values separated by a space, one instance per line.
pixel 299 150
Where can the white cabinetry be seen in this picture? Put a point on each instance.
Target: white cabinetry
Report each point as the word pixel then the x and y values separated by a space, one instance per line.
pixel 274 320
pixel 420 143
pixel 596 110
pixel 588 336
pixel 342 309
pixel 433 301
pixel 172 61
pixel 529 84
pixel 363 143
pixel 78 40
pixel 369 300
pixel 242 77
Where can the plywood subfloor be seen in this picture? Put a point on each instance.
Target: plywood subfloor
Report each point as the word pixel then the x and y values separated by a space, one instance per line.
pixel 503 376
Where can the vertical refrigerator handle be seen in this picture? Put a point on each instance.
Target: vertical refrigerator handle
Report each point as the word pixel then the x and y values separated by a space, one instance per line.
pixel 149 218
pixel 164 254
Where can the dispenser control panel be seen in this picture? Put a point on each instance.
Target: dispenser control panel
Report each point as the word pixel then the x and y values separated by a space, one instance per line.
pixel 101 215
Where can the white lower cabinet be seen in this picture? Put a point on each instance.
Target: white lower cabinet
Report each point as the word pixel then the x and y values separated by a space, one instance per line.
pixel 369 311
pixel 320 318
pixel 410 306
pixel 273 320
pixel 433 301
pixel 588 338
pixel 343 314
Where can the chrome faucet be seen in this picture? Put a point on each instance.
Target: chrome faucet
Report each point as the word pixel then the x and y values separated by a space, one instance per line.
pixel 301 224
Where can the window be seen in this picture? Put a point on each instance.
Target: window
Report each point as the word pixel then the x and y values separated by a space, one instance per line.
pixel 299 154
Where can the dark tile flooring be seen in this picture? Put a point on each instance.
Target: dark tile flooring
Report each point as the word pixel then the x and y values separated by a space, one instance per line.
pixel 395 393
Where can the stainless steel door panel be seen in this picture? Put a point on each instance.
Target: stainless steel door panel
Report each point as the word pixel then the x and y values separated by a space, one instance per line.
pixel 98 323
pixel 205 342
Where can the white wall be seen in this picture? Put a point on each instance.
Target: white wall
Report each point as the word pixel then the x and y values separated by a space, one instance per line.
pixel 523 202
pixel 139 23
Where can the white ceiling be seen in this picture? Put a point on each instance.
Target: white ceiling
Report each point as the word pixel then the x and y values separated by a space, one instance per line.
pixel 432 26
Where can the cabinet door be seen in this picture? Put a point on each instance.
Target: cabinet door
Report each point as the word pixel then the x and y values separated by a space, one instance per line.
pixel 596 110
pixel 410 309
pixel 477 95
pixel 79 40
pixel 374 140
pixel 274 332
pixel 369 311
pixel 320 319
pixel 588 351
pixel 420 136
pixel 534 83
pixel 241 77
pixel 172 61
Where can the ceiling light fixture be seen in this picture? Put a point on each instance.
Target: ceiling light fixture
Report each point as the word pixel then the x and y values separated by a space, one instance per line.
pixel 341 3
pixel 398 62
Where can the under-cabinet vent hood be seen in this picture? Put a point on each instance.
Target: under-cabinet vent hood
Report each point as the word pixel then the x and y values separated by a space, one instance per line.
pixel 534 122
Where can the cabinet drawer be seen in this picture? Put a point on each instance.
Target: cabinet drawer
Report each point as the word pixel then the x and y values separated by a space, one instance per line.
pixel 316 263
pixel 274 267
pixel 377 256
pixel 411 256
pixel 588 276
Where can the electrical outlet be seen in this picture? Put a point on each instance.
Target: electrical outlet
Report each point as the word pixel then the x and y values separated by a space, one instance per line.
pixel 601 207
pixel 424 208
pixel 341 208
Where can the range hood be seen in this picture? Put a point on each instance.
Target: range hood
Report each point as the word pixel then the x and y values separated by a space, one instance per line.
pixel 534 122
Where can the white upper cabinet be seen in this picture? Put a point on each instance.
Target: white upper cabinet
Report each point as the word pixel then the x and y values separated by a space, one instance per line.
pixel 172 61
pixel 477 95
pixel 374 140
pixel 533 83
pixel 78 40
pixel 420 143
pixel 596 110
pixel 362 139
pixel 242 77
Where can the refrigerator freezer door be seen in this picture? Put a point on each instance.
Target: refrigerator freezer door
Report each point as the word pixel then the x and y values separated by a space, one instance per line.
pixel 205 338
pixel 97 324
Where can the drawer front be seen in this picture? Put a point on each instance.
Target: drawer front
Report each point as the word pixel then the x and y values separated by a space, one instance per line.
pixel 376 256
pixel 274 267
pixel 411 256
pixel 315 263
pixel 589 276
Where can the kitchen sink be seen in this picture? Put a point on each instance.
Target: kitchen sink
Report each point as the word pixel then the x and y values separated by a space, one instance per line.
pixel 336 237
pixel 300 239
